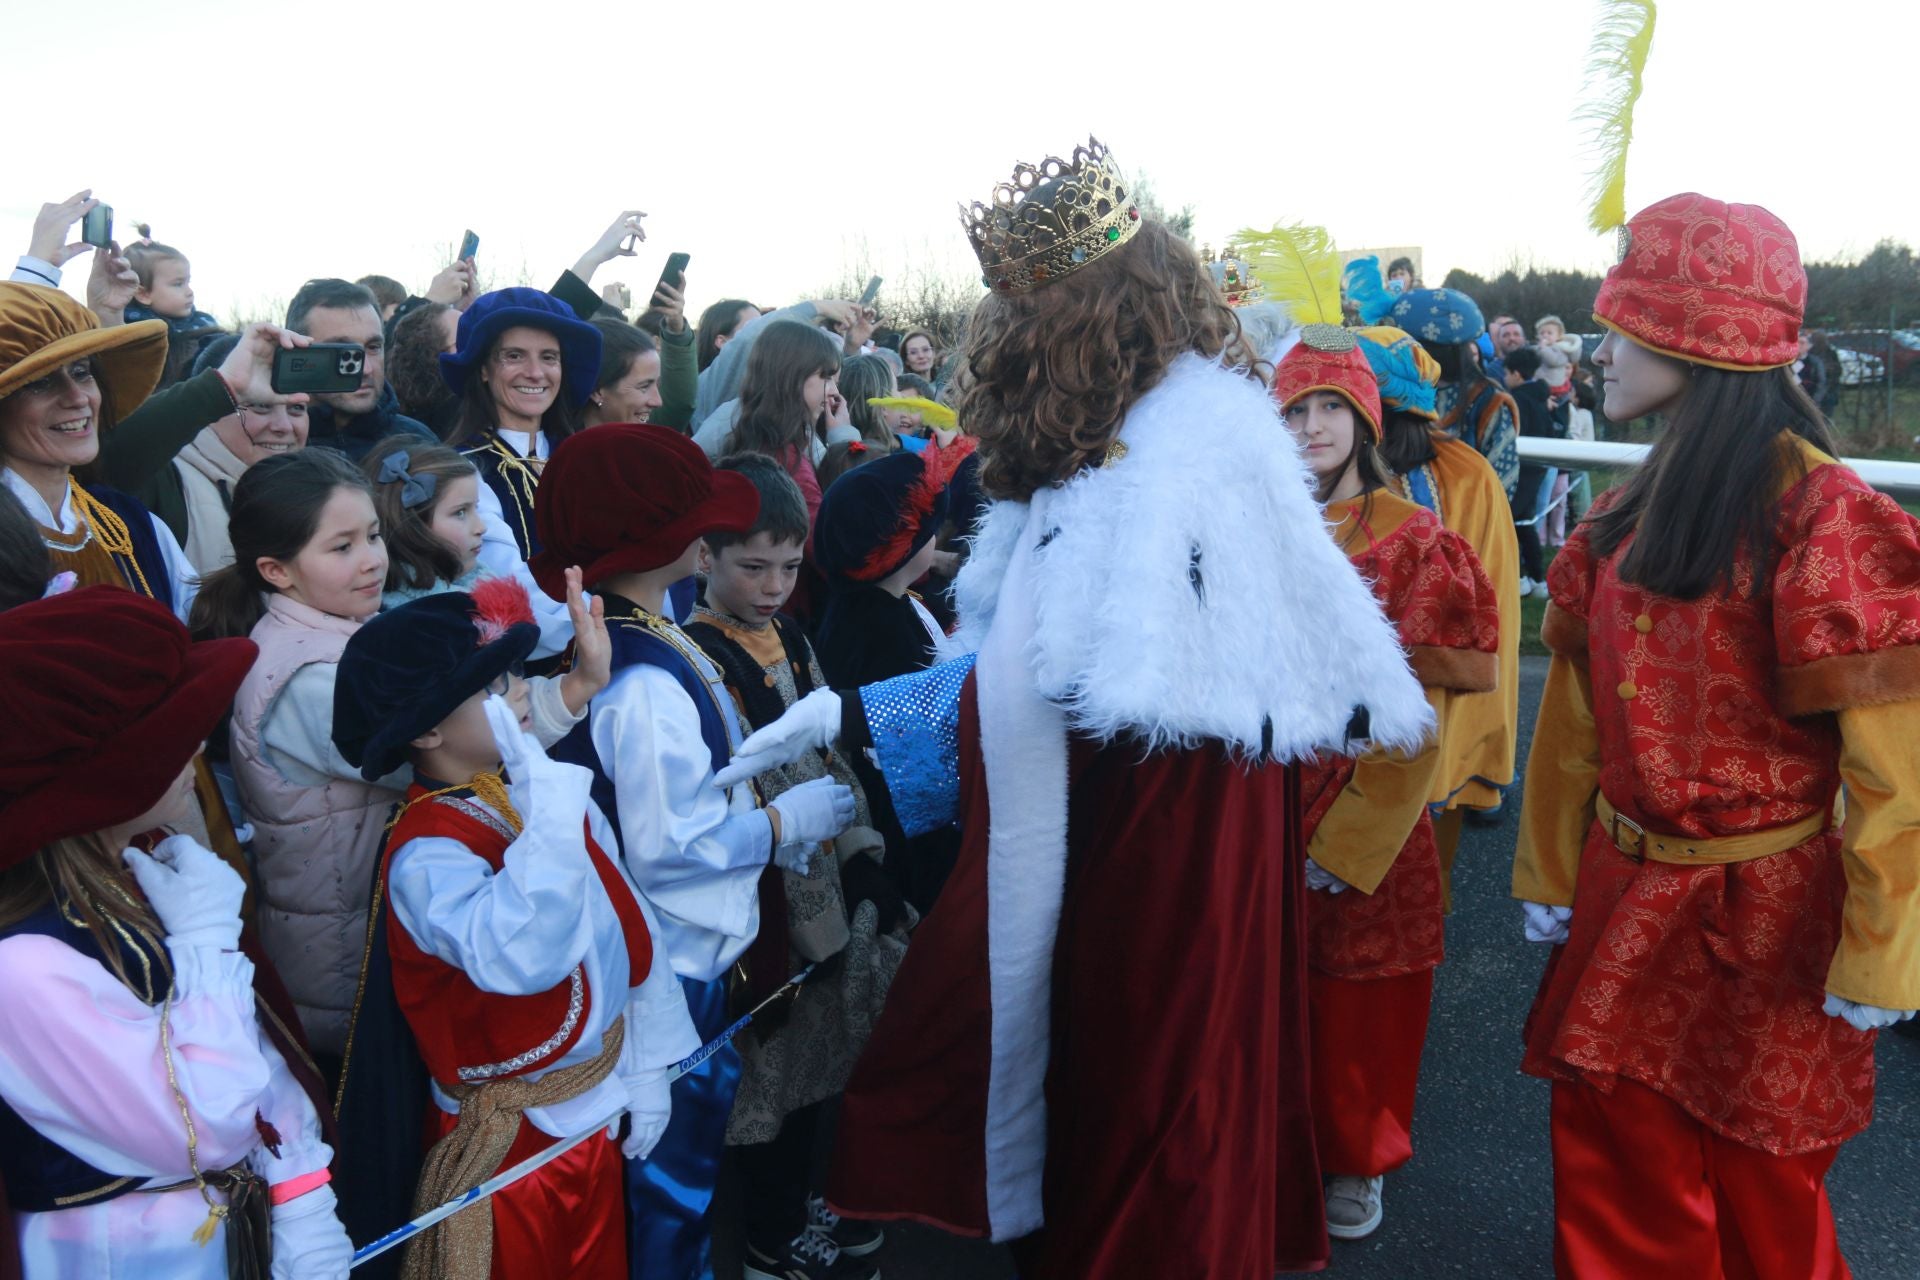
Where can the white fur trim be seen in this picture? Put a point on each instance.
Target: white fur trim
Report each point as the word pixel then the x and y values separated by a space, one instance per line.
pixel 1280 632
pixel 1024 743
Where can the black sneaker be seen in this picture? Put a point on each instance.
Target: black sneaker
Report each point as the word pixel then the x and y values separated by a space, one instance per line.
pixel 856 1239
pixel 808 1256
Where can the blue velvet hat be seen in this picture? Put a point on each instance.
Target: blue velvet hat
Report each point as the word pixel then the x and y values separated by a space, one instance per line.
pixel 492 314
pixel 408 669
pixel 1445 316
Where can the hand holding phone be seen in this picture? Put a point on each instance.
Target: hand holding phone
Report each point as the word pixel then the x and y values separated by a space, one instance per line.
pixel 322 368
pixel 872 292
pixel 96 227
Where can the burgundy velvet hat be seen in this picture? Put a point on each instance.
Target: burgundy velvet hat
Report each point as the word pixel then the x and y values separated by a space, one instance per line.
pixel 628 497
pixel 108 698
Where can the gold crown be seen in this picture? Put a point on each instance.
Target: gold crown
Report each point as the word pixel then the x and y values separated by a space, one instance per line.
pixel 1050 220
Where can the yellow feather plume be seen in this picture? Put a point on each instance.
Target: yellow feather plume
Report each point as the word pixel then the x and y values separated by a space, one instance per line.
pixel 1297 267
pixel 1615 66
pixel 931 412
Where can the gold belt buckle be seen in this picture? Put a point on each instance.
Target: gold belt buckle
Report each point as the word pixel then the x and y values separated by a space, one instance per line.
pixel 1638 849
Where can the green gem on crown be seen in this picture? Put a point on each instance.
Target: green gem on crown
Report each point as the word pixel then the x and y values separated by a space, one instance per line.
pixel 1113 233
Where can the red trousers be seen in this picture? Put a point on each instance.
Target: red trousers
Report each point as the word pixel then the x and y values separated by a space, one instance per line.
pixel 1643 1191
pixel 566 1219
pixel 1367 1036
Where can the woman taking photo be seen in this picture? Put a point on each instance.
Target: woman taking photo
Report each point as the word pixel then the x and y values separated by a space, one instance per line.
pixel 1736 635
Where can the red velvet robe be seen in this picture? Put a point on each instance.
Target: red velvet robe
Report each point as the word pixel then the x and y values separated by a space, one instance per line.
pixel 1179 1133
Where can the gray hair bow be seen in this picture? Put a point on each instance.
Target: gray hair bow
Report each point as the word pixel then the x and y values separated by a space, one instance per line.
pixel 415 491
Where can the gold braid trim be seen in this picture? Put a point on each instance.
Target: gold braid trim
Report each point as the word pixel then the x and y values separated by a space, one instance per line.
pixel 488 787
pixel 110 530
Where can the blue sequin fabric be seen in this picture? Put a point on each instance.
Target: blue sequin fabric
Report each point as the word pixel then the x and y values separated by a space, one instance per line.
pixel 914 722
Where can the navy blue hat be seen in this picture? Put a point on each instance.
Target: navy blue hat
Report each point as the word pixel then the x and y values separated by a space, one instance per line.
pixel 876 517
pixel 1444 316
pixel 408 669
pixel 492 314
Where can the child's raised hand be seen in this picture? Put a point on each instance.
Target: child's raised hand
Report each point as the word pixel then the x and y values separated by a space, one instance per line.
pixel 592 646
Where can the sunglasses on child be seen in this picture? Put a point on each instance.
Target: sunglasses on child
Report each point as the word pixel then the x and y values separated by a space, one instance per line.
pixel 503 682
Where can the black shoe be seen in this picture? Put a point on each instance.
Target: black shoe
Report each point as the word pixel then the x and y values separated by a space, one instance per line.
pixel 808 1256
pixel 855 1239
pixel 1486 817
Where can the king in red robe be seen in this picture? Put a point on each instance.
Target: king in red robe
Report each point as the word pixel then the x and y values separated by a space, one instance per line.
pixel 1097 1045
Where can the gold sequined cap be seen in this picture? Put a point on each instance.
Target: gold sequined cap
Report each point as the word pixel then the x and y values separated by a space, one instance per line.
pixel 1328 337
pixel 1051 220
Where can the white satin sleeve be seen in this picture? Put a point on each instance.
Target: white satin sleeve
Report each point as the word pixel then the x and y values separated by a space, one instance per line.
pixel 660 1031
pixel 500 558
pixel 80 1057
pixel 695 852
pixel 286 1106
pixel 518 931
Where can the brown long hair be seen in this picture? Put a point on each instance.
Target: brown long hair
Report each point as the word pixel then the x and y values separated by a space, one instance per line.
pixel 85 879
pixel 773 415
pixel 1707 492
pixel 1049 375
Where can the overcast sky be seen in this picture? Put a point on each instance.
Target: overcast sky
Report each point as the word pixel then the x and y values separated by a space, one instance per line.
pixel 773 140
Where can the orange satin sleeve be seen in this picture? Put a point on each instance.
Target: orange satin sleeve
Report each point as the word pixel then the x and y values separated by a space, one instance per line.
pixel 1563 776
pixel 1367 826
pixel 1878 959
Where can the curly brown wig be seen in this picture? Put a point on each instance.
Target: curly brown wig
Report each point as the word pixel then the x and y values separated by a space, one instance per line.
pixel 1049 375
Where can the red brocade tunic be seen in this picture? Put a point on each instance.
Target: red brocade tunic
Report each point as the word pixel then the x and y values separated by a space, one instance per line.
pixel 1177 1083
pixel 1730 715
pixel 1375 833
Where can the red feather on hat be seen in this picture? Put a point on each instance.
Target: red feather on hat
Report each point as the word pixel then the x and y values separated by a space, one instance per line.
pixel 498 604
pixel 937 466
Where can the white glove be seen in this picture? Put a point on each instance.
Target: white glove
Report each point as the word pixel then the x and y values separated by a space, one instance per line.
pixel 308 1241
pixel 194 892
pixel 809 813
pixel 649 1107
pixel 1318 877
pixel 535 781
pixel 1864 1017
pixel 1546 924
pixel 811 724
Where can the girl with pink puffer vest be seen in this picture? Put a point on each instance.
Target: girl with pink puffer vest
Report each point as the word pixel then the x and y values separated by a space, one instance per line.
pixel 309 565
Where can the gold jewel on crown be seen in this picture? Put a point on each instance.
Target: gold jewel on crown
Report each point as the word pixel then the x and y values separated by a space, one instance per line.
pixel 1025 239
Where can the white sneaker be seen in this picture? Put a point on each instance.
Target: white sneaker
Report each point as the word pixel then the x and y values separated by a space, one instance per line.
pixel 1354 1207
pixel 1526 587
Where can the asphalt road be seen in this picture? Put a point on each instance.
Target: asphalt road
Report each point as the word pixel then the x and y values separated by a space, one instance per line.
pixel 1476 1200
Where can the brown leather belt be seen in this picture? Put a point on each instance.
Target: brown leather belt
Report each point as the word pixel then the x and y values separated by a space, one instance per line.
pixel 1642 845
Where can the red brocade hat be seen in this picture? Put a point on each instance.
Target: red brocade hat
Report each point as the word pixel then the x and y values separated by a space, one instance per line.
pixel 1713 283
pixel 628 497
pixel 107 699
pixel 1329 358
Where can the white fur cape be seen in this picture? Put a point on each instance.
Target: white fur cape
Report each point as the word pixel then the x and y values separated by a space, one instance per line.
pixel 1188 591
pixel 1191 590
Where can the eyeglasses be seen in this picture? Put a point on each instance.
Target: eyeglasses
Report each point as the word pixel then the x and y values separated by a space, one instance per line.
pixel 502 684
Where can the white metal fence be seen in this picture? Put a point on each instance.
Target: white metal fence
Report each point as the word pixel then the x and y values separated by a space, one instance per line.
pixel 1896 479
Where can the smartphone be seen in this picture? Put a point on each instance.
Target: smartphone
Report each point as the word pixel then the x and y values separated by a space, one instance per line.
pixel 873 291
pixel 675 272
pixel 97 227
pixel 322 367
pixel 469 245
